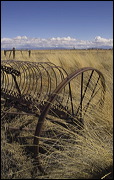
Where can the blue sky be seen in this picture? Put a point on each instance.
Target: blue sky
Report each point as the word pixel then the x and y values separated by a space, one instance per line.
pixel 82 20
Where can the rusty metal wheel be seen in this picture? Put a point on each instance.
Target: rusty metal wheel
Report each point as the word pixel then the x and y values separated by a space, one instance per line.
pixel 61 102
pixel 66 111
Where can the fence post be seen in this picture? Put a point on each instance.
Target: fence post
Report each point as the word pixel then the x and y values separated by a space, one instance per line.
pixel 29 52
pixel 13 53
pixel 5 52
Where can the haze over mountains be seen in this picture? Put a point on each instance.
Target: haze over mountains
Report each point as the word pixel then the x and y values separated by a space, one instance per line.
pixel 23 42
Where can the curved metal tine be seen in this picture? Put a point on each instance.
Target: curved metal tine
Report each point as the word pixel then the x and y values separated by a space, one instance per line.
pixel 25 66
pixel 92 95
pixel 54 79
pixel 3 77
pixel 29 81
pixel 61 75
pixel 61 70
pixel 19 66
pixel 48 90
pixel 16 84
pixel 23 63
pixel 42 64
pixel 83 94
pixel 40 90
pixel 37 69
pixel 56 67
pixel 6 79
pixel 53 65
pixel 14 78
pixel 32 79
pixel 9 83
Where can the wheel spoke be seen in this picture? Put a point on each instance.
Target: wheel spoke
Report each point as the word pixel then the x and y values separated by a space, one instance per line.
pixel 81 100
pixel 57 99
pixel 71 100
pixel 85 90
pixel 92 95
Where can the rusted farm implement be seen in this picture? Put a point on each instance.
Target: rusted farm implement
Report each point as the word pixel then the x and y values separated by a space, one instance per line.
pixel 51 94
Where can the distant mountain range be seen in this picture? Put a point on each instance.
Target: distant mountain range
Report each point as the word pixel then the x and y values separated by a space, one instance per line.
pixel 61 48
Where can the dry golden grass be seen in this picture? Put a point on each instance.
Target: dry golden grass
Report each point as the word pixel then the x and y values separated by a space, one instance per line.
pixel 84 156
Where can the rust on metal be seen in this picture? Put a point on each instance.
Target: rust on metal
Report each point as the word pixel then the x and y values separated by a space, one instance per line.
pixel 62 85
pixel 43 88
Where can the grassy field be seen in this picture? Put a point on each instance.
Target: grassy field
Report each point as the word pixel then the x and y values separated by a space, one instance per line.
pixel 87 156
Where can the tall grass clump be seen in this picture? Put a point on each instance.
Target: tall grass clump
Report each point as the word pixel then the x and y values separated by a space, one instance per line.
pixel 85 154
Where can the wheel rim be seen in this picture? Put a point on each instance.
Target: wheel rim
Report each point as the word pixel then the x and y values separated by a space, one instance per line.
pixel 89 93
